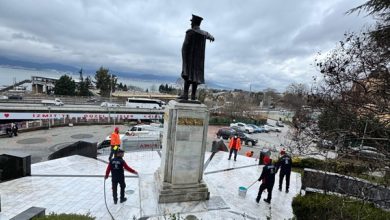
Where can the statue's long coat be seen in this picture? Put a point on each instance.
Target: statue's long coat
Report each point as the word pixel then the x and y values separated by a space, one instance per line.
pixel 193 54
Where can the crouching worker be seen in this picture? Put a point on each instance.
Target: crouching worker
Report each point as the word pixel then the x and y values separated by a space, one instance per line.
pixel 268 178
pixel 116 166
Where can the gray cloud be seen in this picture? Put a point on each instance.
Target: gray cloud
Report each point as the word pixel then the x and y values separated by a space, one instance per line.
pixel 258 43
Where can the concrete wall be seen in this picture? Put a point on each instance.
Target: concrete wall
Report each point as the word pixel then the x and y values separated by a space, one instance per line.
pixel 351 186
pixel 14 165
pixel 82 148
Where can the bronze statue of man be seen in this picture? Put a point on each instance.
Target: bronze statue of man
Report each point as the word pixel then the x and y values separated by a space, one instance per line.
pixel 193 54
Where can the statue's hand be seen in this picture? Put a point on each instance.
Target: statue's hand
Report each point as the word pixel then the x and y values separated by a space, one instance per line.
pixel 211 39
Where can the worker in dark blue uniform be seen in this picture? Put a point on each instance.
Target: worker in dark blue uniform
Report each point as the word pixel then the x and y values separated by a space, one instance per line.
pixel 268 178
pixel 284 164
pixel 116 166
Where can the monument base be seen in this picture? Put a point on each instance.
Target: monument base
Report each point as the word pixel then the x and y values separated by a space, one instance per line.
pixel 169 193
pixel 180 176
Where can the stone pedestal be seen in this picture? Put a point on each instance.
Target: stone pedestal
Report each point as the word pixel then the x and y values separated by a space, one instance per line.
pixel 180 176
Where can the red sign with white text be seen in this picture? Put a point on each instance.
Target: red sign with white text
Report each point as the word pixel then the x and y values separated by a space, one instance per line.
pixel 38 116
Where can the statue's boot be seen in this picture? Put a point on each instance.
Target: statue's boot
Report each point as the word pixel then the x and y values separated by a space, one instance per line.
pixel 184 96
pixel 193 92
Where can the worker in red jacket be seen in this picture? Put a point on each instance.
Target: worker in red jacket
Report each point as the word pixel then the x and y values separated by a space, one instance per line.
pixel 116 166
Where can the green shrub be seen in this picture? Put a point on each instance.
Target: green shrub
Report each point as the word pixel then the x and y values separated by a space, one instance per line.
pixel 331 165
pixel 62 216
pixel 329 207
pixel 219 120
pixel 225 120
pixel 308 163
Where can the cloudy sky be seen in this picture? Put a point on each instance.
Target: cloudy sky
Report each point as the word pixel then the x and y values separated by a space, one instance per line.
pixel 259 44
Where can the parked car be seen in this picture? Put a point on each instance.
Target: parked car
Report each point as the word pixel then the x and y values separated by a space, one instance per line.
pixel 93 100
pixel 246 138
pixel 279 124
pixel 226 133
pixel 144 129
pixel 17 97
pixel 109 104
pixel 257 129
pixel 368 152
pixel 140 140
pixel 243 127
pixel 269 127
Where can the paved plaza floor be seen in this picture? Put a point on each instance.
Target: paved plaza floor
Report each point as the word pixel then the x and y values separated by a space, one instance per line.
pixel 75 184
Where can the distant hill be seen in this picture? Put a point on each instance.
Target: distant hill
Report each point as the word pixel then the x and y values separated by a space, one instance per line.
pixel 38 66
pixel 67 68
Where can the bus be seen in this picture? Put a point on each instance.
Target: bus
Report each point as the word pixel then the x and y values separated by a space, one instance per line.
pixel 145 103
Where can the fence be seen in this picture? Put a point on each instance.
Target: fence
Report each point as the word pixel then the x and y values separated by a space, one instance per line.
pixel 317 180
pixel 47 123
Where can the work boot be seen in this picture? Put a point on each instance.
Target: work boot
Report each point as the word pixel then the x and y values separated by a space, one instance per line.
pixel 286 190
pixel 280 188
pixel 115 202
pixel 123 200
pixel 257 200
pixel 267 201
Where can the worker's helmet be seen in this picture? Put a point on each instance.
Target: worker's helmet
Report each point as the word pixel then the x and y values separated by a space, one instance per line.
pixel 283 152
pixel 116 129
pixel 266 160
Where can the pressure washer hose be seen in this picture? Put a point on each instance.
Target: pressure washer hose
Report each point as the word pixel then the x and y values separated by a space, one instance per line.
pixel 105 200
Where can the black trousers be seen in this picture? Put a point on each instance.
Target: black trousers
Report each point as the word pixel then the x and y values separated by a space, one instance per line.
pixel 281 177
pixel 269 188
pixel 122 184
pixel 235 153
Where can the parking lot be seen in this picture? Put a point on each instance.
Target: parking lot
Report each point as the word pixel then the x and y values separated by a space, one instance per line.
pixel 271 140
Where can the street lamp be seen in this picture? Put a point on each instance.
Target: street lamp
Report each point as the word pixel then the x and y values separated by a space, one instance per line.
pixel 49 116
pixel 111 82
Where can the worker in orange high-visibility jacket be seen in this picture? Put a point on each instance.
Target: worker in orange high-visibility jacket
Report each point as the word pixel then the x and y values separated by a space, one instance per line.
pixel 235 146
pixel 115 142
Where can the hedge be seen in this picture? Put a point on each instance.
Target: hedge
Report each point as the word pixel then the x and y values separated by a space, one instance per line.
pixel 62 216
pixel 329 207
pixel 222 120
pixel 331 165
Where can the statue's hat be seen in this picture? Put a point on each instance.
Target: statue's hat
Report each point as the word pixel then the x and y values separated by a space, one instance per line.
pixel 196 19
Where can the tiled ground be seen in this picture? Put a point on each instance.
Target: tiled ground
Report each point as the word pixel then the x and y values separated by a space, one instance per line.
pixel 75 185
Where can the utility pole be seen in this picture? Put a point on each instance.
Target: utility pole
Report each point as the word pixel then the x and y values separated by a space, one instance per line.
pixel 364 134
